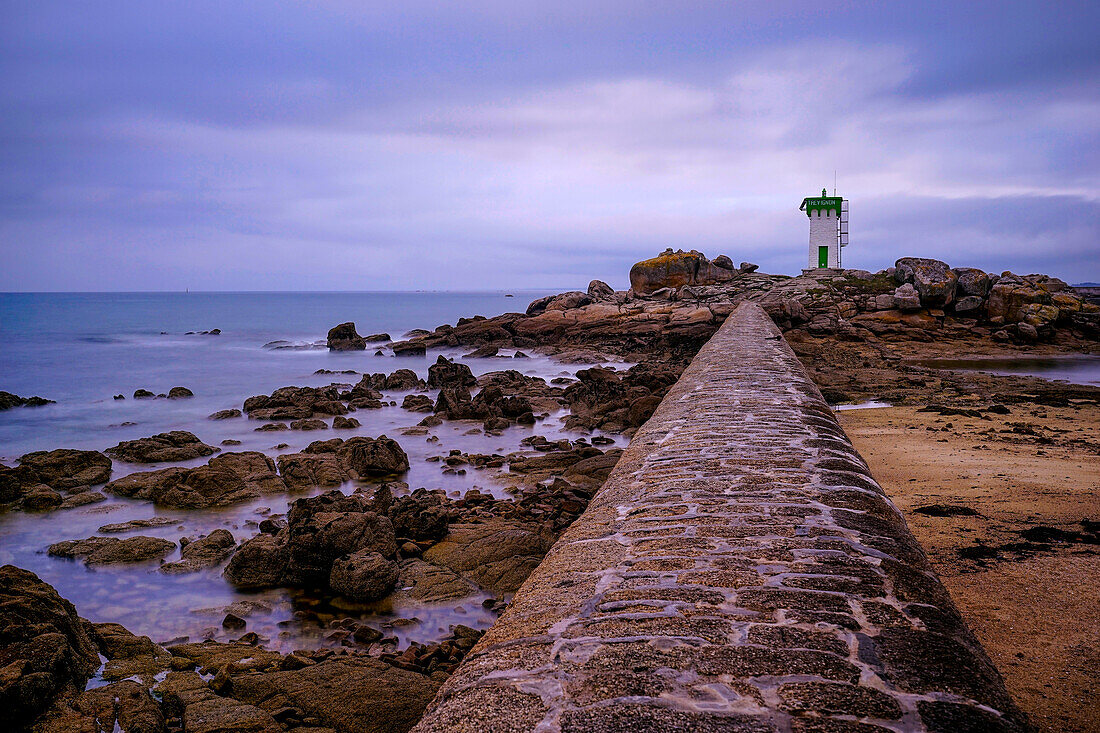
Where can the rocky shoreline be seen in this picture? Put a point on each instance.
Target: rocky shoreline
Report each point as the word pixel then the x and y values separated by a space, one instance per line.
pixel 362 535
pixel 51 655
pixel 678 300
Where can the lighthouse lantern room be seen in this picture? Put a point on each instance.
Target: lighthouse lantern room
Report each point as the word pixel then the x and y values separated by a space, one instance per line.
pixel 828 229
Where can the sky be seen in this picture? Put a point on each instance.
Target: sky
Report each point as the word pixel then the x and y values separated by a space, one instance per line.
pixel 510 144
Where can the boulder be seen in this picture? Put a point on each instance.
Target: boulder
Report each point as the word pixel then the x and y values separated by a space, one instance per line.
pixel 497 555
pixel 408 348
pixel 364 457
pixel 128 655
pixel 82 498
pixel 971 305
pixel 1087 322
pixel 676 269
pixel 419 516
pixel 641 409
pixel 345 338
pixel 260 562
pixel 205 552
pixel 551 463
pixel 786 312
pixel 1039 315
pixel 40 498
pixel 568 301
pixel 189 698
pixel 366 388
pixel 1010 296
pixel 324 446
pixel 933 279
pixel 225 414
pixel 492 404
pixel 447 373
pixel 233 622
pixel 973 282
pixel 724 262
pixel 118 706
pixel 748 267
pixel 9 400
pixel 225 480
pixel 234 657
pixel 345 423
pixel 320 530
pixel 494 425
pixel 111 550
pixel 538 305
pixel 402 380
pixel 143 394
pixel 306 470
pixel 46 651
pixel 423 582
pixel 417 403
pixel 309 424
pixel 593 470
pixel 1046 283
pixel 364 575
pixel 345 694
pixel 255 469
pixel 906 298
pixel 599 290
pixel 129 526
pixel 16 481
pixel 602 398
pixel 180 393
pixel 455 402
pixel 1066 303
pixel 295 403
pixel 325 531
pixel 115 642
pixel 177 445
pixel 483 352
pixel 66 469
pixel 882 302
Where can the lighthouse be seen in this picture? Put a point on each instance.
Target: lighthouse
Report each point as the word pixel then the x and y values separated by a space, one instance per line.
pixel 828 229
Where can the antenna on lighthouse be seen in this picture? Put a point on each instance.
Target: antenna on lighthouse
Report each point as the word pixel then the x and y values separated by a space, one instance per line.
pixel 834 181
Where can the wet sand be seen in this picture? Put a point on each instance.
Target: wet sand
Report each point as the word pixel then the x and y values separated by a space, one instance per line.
pixel 1031 596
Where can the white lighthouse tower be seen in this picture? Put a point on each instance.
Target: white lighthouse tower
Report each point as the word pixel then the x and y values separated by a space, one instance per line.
pixel 828 230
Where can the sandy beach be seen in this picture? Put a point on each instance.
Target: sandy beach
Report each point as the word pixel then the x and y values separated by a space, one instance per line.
pixel 1006 506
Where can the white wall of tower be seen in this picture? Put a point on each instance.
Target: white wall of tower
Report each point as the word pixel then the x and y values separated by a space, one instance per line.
pixel 823 231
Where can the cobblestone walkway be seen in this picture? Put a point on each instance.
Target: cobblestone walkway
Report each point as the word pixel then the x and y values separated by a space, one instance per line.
pixel 739 571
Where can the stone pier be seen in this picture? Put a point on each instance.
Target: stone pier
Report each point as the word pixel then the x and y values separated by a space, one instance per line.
pixel 739 571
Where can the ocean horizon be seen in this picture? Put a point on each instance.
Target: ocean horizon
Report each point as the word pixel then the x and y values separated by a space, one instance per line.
pixel 83 349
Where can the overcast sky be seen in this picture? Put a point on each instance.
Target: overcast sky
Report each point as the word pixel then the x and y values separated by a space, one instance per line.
pixel 496 145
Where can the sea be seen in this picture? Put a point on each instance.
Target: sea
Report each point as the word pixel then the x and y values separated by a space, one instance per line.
pixel 1073 369
pixel 83 349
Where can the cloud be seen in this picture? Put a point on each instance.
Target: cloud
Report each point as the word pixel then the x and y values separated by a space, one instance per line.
pixel 426 149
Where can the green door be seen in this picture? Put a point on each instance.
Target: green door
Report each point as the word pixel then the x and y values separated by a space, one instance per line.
pixel 822 256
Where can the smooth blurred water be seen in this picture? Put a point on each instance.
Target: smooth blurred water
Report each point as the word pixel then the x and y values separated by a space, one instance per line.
pixel 81 349
pixel 1076 369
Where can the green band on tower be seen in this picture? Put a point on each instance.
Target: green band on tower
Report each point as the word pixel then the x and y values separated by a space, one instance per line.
pixel 822 203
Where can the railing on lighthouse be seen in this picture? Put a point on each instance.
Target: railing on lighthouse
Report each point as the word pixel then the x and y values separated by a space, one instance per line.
pixel 842 232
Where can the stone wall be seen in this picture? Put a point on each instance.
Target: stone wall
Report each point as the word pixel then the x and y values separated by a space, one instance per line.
pixel 739 571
